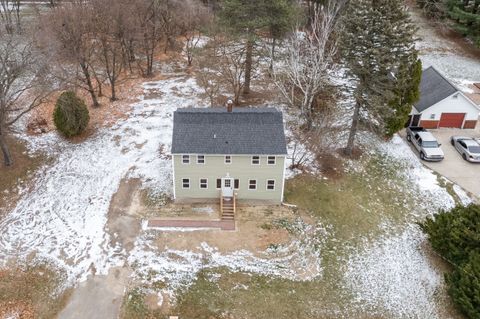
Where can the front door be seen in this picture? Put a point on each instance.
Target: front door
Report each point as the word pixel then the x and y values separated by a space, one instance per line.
pixel 227 187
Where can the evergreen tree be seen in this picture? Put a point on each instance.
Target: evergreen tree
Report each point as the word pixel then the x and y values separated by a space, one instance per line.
pixel 455 235
pixel 248 18
pixel 407 92
pixel 71 114
pixel 377 38
pixel 467 15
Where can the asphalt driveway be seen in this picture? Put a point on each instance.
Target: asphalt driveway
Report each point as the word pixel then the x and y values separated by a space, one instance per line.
pixel 454 167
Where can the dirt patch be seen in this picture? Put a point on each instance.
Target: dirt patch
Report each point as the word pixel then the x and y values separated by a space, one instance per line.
pixel 123 225
pixel 255 232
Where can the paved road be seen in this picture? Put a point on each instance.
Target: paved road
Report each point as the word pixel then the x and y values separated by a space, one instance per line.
pixel 453 167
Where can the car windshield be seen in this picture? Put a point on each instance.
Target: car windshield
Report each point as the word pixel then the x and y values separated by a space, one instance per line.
pixel 430 144
pixel 474 149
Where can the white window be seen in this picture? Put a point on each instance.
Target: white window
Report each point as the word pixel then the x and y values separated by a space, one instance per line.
pixel 255 160
pixel 186 183
pixel 271 160
pixel 432 116
pixel 203 183
pixel 252 184
pixel 270 185
pixel 200 159
pixel 228 159
pixel 186 159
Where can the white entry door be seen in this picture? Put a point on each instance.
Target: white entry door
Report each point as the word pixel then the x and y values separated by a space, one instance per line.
pixel 227 187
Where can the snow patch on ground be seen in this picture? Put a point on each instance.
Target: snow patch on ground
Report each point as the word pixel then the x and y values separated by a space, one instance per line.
pixel 465 199
pixel 63 218
pixel 395 275
pixel 435 196
pixel 298 260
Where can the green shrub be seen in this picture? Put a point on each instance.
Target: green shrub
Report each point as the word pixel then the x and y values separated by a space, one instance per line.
pixel 455 235
pixel 70 115
pixel 464 286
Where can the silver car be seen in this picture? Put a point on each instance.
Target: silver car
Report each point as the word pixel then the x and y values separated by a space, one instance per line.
pixel 467 147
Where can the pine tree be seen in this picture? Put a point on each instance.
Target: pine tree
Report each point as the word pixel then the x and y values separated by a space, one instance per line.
pixel 247 18
pixel 467 15
pixel 407 92
pixel 377 38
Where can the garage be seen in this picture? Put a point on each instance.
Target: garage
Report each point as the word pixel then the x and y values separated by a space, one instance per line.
pixel 451 120
pixel 442 104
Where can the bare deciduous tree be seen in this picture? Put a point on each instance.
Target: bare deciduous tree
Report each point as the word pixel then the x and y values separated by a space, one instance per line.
pixel 110 20
pixel 10 15
pixel 149 33
pixel 309 61
pixel 72 34
pixel 22 85
pixel 192 16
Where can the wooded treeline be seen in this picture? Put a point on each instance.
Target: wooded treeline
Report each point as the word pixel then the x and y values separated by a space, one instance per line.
pixel 310 50
pixel 461 15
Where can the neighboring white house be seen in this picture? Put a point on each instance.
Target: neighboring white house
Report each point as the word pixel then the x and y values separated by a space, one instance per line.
pixel 441 104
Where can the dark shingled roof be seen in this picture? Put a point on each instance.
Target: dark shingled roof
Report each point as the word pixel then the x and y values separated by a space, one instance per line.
pixel 245 131
pixel 434 87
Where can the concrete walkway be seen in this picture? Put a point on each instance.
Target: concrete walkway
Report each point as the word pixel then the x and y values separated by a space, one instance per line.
pixel 99 297
pixel 222 224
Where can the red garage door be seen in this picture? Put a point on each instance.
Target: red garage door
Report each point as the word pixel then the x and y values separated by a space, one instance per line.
pixel 451 120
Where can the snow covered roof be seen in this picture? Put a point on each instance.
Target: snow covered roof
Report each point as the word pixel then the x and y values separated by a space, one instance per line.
pixel 247 131
pixel 434 87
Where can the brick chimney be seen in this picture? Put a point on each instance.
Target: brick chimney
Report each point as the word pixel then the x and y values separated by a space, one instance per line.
pixel 229 105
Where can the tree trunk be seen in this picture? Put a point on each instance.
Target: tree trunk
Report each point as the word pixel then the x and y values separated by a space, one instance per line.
pixel 353 129
pixel 7 157
pixel 248 66
pixel 272 58
pixel 88 80
pixel 114 95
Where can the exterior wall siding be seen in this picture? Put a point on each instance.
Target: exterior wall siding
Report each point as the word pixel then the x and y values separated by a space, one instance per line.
pixel 460 104
pixel 240 168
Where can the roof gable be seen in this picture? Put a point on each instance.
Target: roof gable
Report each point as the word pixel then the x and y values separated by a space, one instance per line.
pixel 434 87
pixel 245 131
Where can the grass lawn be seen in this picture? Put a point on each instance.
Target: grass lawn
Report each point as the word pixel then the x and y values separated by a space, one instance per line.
pixel 358 208
pixel 31 292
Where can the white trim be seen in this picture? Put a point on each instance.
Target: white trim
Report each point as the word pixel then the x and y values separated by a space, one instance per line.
pixel 236 155
pixel 189 183
pixel 266 185
pixel 200 182
pixel 204 159
pixel 283 179
pixel 274 160
pixel 451 95
pixel 188 159
pixel 173 177
pixel 225 159
pixel 248 185
pixel 259 159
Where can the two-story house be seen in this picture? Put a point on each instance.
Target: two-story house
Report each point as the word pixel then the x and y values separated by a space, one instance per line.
pixel 226 152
